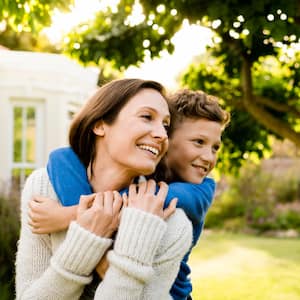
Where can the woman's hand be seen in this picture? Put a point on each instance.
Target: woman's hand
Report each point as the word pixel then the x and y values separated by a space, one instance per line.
pixel 100 213
pixel 48 216
pixel 143 197
pixel 102 266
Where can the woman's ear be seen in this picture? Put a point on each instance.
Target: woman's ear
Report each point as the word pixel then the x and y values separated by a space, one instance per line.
pixel 99 128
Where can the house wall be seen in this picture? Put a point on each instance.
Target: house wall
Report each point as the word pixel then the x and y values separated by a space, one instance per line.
pixel 50 82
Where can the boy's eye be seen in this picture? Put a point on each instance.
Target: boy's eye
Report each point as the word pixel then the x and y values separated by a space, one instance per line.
pixel 167 127
pixel 216 148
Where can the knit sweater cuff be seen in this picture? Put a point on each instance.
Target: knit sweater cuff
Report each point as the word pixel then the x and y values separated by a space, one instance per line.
pixel 139 235
pixel 80 252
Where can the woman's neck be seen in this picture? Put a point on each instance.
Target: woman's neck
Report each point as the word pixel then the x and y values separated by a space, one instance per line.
pixel 108 179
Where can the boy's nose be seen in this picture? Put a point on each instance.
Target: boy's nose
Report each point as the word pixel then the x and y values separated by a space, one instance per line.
pixel 207 154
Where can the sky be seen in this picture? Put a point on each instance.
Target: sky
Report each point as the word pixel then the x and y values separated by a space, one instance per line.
pixel 189 42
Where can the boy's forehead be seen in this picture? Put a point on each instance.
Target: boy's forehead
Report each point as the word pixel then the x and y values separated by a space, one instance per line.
pixel 198 127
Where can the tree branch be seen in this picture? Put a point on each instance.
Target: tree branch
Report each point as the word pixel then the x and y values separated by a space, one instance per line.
pixel 280 107
pixel 281 127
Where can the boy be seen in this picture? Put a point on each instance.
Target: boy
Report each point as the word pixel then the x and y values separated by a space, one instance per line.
pixel 195 138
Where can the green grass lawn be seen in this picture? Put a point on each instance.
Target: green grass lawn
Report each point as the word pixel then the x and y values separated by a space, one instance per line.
pixel 240 267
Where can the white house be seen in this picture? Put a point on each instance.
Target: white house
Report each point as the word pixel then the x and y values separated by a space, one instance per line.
pixel 39 93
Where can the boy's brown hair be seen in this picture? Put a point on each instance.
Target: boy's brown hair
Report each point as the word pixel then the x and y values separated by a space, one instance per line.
pixel 195 105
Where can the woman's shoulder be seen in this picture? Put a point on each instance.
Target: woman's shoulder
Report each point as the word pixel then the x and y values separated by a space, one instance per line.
pixel 179 224
pixel 37 177
pixel 179 219
pixel 38 183
pixel 178 237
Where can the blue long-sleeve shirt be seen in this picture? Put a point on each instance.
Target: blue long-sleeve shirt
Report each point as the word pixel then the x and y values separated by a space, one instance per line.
pixel 69 179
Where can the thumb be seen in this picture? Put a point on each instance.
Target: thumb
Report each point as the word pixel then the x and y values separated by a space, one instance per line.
pixel 85 202
pixel 170 209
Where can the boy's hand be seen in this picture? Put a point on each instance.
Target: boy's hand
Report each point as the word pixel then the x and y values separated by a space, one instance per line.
pixel 100 213
pixel 144 198
pixel 48 216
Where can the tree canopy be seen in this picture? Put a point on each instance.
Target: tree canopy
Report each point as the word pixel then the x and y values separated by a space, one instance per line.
pixel 22 20
pixel 29 15
pixel 253 65
pixel 254 60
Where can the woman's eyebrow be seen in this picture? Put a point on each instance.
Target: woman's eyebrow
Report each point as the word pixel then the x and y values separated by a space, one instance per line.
pixel 153 109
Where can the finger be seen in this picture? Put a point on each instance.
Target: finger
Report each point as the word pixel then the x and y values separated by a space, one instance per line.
pixel 99 200
pixel 131 194
pixel 31 223
pixel 132 190
pixel 37 230
pixel 31 204
pixel 34 229
pixel 85 201
pixel 125 199
pixel 151 186
pixel 118 201
pixel 108 201
pixel 30 214
pixel 38 199
pixel 35 207
pixel 163 190
pixel 142 187
pixel 170 209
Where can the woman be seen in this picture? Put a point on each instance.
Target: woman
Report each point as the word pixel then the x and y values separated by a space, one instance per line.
pixel 119 134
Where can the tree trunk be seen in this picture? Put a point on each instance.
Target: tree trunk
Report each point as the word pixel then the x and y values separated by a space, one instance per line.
pixel 276 125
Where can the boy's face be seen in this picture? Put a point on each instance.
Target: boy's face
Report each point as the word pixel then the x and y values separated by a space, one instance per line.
pixel 193 149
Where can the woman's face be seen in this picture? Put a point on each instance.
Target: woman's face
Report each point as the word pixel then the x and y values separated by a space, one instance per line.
pixel 136 141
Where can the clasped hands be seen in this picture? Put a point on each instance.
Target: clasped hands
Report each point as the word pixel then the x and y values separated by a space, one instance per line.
pixel 100 212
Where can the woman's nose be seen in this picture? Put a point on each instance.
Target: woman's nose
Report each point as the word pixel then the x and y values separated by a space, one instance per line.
pixel 160 132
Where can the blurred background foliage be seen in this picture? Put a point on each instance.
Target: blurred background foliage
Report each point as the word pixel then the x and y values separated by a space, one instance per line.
pixel 252 65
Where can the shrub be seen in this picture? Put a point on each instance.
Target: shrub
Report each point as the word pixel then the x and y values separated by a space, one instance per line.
pixel 288 220
pixel 223 208
pixel 9 233
pixel 255 196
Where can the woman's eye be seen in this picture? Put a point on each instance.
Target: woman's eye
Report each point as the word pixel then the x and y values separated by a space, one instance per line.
pixel 147 117
pixel 199 142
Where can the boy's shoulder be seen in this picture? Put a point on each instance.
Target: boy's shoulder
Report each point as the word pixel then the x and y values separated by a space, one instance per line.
pixel 207 182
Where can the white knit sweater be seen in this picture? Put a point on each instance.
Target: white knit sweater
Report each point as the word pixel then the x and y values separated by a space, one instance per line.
pixel 144 261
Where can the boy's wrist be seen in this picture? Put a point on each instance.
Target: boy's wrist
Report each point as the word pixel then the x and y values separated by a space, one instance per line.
pixel 68 215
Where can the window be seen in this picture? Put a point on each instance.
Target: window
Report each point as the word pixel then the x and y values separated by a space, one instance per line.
pixel 27 147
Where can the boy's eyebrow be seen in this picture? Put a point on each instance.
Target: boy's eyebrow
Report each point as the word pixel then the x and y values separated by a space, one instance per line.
pixel 201 135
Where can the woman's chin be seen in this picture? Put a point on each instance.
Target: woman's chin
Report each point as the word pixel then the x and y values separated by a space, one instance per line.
pixel 148 170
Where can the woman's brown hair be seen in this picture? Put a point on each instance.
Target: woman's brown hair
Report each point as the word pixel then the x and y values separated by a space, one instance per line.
pixel 104 105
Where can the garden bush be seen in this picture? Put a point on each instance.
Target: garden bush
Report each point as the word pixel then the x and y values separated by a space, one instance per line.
pixel 258 198
pixel 9 233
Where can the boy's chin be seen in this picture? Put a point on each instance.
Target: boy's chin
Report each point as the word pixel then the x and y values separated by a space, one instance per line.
pixel 196 180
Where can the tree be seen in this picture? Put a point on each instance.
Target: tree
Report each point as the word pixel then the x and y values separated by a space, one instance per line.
pixel 247 34
pixel 21 22
pixel 27 15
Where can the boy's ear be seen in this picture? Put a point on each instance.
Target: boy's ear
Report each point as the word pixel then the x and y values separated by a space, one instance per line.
pixel 99 128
